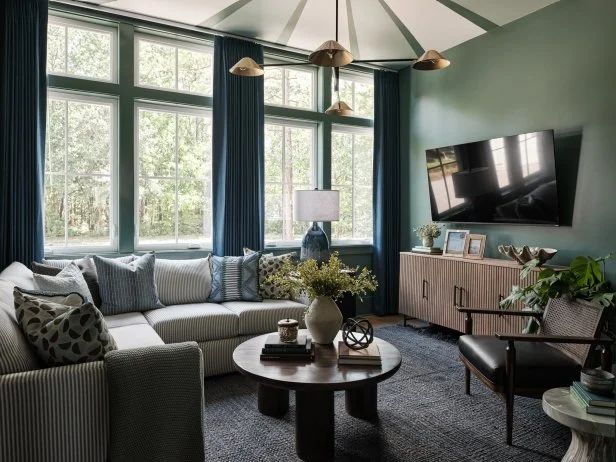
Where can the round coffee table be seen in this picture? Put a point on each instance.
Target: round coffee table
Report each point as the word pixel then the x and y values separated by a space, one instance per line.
pixel 314 384
pixel 592 436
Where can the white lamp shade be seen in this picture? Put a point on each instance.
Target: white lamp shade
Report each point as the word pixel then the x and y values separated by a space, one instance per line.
pixel 316 205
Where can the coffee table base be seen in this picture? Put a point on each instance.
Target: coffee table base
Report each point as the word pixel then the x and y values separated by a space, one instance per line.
pixel 272 401
pixel 361 402
pixel 589 448
pixel 314 425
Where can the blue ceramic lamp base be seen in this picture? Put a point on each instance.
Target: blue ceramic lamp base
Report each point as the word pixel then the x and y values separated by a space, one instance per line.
pixel 315 245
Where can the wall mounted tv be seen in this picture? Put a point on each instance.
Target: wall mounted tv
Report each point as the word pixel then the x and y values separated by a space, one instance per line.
pixel 503 180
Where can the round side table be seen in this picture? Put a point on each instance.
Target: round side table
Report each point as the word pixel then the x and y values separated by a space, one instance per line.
pixel 592 436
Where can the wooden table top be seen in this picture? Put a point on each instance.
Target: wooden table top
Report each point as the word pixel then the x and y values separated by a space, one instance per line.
pixel 323 373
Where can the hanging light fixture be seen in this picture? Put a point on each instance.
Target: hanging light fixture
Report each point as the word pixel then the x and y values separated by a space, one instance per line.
pixel 431 60
pixel 331 53
pixel 339 108
pixel 247 67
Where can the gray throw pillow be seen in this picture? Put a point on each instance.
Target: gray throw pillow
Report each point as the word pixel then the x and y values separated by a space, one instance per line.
pixel 183 281
pixel 62 333
pixel 269 264
pixel 67 280
pixel 235 278
pixel 127 287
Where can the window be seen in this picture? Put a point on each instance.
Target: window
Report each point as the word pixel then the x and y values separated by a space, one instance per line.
pixel 357 90
pixel 79 166
pixel 173 65
pixel 174 157
pixel 289 165
pixel 292 87
pixel 352 175
pixel 82 50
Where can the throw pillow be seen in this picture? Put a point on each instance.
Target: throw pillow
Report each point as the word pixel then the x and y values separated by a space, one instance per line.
pixel 268 265
pixel 183 281
pixel 127 287
pixel 67 280
pixel 235 278
pixel 71 299
pixel 60 333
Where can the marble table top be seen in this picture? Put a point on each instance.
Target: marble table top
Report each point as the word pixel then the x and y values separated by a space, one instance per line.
pixel 561 407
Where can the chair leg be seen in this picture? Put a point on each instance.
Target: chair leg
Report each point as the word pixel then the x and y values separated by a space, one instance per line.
pixel 467 380
pixel 509 389
pixel 509 406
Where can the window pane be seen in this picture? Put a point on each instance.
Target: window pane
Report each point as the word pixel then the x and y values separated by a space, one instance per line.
pixel 273 82
pixel 352 175
pixel 78 185
pixel 156 143
pixel 191 212
pixel 56 49
pixel 156 211
pixel 357 92
pixel 289 155
pixel 156 64
pixel 194 71
pixel 88 53
pixel 289 87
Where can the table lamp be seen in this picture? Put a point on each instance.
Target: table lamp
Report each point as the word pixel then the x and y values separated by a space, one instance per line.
pixel 316 205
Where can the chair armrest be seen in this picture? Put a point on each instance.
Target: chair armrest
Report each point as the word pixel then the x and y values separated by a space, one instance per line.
pixel 534 314
pixel 553 339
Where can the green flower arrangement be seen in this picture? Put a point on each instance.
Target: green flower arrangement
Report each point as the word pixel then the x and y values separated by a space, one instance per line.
pixel 429 230
pixel 330 279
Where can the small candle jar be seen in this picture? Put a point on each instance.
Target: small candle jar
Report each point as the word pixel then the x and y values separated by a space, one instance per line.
pixel 287 330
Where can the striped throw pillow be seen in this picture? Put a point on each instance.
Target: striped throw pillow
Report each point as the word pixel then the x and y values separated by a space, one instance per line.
pixel 235 278
pixel 183 281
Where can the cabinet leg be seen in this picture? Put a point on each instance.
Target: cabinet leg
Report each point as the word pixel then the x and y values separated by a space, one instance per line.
pixel 467 380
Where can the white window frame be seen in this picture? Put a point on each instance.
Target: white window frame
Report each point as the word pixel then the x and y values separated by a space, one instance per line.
pixel 186 44
pixel 90 26
pixel 284 122
pixel 113 213
pixel 173 109
pixel 355 131
pixel 358 77
pixel 315 86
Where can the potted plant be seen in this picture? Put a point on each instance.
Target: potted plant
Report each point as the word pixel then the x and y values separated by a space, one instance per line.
pixel 323 284
pixel 583 279
pixel 427 233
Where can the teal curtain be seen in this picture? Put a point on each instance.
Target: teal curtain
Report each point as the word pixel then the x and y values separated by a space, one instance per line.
pixel 238 146
pixel 386 184
pixel 23 100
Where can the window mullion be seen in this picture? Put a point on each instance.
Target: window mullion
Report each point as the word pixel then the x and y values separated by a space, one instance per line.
pixel 353 185
pixel 177 203
pixel 65 199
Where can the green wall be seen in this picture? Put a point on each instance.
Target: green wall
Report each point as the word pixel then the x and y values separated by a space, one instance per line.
pixel 554 69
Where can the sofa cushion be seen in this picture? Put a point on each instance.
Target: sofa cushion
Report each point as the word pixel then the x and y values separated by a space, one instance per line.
pixel 69 279
pixel 235 278
pixel 193 322
pixel 135 336
pixel 125 319
pixel 127 287
pixel 183 281
pixel 262 317
pixel 538 365
pixel 269 265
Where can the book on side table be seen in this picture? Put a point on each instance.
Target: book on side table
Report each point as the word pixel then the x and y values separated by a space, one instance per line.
pixel 591 402
pixel 369 356
pixel 300 350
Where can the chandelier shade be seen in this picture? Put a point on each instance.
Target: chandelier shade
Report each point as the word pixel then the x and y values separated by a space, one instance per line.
pixel 431 60
pixel 331 54
pixel 339 108
pixel 247 67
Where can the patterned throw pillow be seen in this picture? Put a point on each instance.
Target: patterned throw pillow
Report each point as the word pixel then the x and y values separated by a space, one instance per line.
pixel 127 287
pixel 61 333
pixel 68 280
pixel 235 278
pixel 268 265
pixel 183 281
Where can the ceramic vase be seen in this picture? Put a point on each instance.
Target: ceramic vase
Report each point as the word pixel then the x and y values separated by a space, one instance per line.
pixel 427 241
pixel 323 320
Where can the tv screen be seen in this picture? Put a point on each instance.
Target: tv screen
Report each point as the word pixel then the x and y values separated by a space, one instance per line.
pixel 503 180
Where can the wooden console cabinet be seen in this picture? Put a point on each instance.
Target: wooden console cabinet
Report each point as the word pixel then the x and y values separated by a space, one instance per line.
pixel 432 287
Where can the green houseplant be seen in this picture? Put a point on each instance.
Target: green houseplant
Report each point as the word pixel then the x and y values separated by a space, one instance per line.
pixel 583 279
pixel 427 233
pixel 323 284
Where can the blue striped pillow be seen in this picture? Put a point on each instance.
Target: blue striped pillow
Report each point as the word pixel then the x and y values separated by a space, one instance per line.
pixel 235 278
pixel 127 287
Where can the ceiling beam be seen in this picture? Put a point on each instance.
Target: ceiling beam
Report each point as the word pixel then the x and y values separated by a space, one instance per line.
pixel 285 35
pixel 352 30
pixel 410 38
pixel 224 13
pixel 473 17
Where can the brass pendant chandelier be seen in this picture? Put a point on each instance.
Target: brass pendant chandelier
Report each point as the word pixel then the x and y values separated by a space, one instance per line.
pixel 333 54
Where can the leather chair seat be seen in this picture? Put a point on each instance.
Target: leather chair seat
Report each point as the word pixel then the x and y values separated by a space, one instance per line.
pixel 538 365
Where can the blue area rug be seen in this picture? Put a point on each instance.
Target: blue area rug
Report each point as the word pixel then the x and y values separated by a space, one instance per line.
pixel 424 415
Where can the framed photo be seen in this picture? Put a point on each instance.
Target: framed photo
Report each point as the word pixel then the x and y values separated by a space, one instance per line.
pixel 474 246
pixel 454 242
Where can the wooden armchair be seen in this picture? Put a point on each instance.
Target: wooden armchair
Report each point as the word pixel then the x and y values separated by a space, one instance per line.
pixel 530 364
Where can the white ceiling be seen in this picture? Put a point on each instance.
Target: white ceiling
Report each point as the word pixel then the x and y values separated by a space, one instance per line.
pixel 368 28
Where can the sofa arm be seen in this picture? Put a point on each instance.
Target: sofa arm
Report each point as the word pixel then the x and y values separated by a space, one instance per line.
pixel 55 414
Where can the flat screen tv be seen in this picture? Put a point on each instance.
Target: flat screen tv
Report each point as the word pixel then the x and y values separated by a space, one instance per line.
pixel 503 180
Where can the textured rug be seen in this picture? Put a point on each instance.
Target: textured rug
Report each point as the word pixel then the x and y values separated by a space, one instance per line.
pixel 423 416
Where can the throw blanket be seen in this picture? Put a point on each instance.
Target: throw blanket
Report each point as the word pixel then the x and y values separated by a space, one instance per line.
pixel 156 403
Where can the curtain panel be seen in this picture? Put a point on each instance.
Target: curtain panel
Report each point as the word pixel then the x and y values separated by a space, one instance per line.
pixel 386 184
pixel 238 150
pixel 23 100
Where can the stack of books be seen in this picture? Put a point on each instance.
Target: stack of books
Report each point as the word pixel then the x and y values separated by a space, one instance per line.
pixel 300 350
pixel 591 402
pixel 366 357
pixel 427 250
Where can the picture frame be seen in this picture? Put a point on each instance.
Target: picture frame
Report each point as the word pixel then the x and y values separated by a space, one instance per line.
pixel 454 242
pixel 474 246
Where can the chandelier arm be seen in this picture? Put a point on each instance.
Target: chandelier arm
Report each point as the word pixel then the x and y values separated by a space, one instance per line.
pixel 307 63
pixel 336 20
pixel 397 60
pixel 337 81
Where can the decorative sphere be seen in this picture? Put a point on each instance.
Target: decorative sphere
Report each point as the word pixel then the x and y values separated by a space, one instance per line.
pixel 357 333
